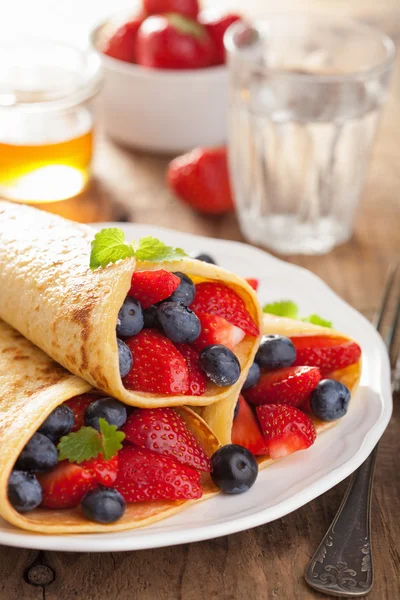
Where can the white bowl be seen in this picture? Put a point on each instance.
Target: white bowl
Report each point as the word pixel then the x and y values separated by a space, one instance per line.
pixel 162 110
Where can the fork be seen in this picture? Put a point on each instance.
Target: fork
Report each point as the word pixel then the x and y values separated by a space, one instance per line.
pixel 342 563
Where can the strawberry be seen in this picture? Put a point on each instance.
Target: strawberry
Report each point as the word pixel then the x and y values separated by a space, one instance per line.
pixel 144 475
pixel 219 299
pixel 65 485
pixel 246 430
pixel 172 41
pixel 158 367
pixel 164 431
pixel 216 330
pixel 104 471
pixel 149 287
pixel 253 283
pixel 291 385
pixel 197 379
pixel 201 179
pixel 78 404
pixel 216 25
pixel 327 353
pixel 122 44
pixel 286 429
pixel 188 8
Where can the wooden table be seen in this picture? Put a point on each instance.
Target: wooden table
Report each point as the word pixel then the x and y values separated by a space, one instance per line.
pixel 267 562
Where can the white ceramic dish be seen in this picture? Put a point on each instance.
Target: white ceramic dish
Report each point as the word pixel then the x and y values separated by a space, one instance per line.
pixel 293 481
pixel 163 111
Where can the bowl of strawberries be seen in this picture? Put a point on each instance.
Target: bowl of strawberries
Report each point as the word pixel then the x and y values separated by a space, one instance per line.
pixel 165 77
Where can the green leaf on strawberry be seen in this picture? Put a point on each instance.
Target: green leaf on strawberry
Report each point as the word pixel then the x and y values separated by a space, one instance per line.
pixel 111 439
pixel 290 310
pixel 152 249
pixel 88 443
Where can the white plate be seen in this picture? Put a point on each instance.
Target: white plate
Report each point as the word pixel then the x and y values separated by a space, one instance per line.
pixel 293 481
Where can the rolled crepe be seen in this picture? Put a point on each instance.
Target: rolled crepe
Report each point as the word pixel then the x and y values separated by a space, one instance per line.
pixel 32 385
pixel 51 296
pixel 220 416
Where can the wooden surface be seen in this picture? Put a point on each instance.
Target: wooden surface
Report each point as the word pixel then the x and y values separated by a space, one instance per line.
pixel 267 562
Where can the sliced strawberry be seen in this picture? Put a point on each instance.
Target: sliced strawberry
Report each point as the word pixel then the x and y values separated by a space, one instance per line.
pixel 246 430
pixel 145 475
pixel 291 385
pixel 78 404
pixel 216 330
pixel 219 299
pixel 65 485
pixel 104 471
pixel 149 287
pixel 165 432
pixel 158 367
pixel 286 429
pixel 327 353
pixel 197 378
pixel 253 283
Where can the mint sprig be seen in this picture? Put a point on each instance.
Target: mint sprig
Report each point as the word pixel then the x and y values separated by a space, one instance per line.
pixel 87 443
pixel 290 310
pixel 109 246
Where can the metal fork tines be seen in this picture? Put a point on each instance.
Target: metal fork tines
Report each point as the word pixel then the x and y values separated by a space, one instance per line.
pixel 342 564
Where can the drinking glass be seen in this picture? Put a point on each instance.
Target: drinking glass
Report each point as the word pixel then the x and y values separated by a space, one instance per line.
pixel 305 98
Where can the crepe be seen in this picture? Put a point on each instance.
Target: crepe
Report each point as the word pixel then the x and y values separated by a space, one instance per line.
pixel 220 416
pixel 51 296
pixel 32 385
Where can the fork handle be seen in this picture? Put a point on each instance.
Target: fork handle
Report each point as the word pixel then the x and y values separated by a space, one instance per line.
pixel 342 564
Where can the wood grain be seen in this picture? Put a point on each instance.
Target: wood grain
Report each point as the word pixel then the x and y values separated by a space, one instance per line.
pixel 267 562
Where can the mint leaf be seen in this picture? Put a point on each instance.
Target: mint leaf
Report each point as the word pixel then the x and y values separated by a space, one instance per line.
pixel 80 445
pixel 111 439
pixel 152 249
pixel 283 308
pixel 317 320
pixel 108 246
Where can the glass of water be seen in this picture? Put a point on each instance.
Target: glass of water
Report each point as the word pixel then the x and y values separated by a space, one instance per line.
pixel 306 94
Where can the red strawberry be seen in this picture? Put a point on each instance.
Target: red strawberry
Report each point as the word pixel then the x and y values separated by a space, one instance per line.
pixel 216 25
pixel 158 367
pixel 216 330
pixel 145 475
pixel 188 8
pixel 122 44
pixel 149 287
pixel 286 429
pixel 219 299
pixel 291 385
pixel 104 471
pixel 201 179
pixel 197 378
pixel 164 431
pixel 65 485
pixel 253 283
pixel 246 430
pixel 327 353
pixel 173 41
pixel 78 405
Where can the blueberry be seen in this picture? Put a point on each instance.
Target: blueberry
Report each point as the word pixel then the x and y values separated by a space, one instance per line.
pixel 150 317
pixel 252 377
pixel 110 409
pixel 220 365
pixel 39 454
pixel 180 324
pixel 186 291
pixel 205 258
pixel 275 352
pixel 330 400
pixel 234 469
pixel 103 505
pixel 24 491
pixel 130 318
pixel 125 358
pixel 59 422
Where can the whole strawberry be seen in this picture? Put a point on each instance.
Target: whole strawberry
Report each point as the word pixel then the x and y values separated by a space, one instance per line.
pixel 173 41
pixel 216 25
pixel 122 44
pixel 188 8
pixel 201 179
